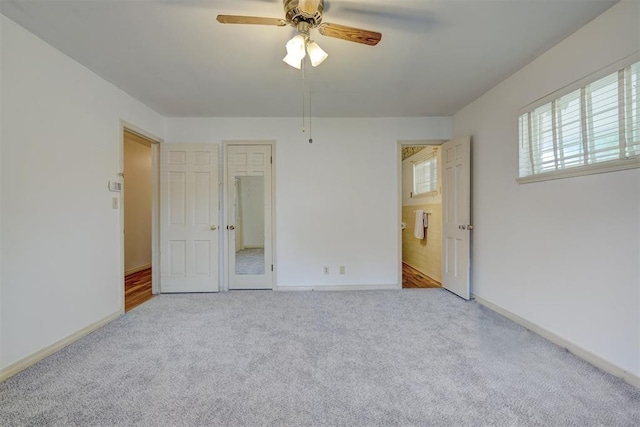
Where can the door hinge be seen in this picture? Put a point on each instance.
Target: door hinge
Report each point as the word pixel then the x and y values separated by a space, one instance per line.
pixel 271 267
pixel 271 159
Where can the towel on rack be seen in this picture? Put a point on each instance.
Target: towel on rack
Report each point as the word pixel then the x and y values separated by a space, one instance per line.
pixel 418 231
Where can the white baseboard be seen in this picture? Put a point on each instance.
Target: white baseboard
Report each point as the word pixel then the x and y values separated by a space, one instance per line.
pixel 39 355
pixel 136 269
pixel 580 352
pixel 338 288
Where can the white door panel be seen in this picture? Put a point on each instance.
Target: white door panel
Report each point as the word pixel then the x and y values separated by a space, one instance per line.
pixel 189 218
pixel 249 217
pixel 456 202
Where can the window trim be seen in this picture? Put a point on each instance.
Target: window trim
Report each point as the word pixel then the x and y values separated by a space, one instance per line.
pixel 602 167
pixel 424 157
pixel 596 168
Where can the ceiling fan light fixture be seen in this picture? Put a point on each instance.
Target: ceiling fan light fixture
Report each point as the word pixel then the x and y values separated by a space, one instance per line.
pixel 296 51
pixel 316 54
pixel 295 62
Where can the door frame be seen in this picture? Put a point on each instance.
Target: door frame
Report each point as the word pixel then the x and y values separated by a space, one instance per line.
pixel 224 253
pixel 400 145
pixel 155 206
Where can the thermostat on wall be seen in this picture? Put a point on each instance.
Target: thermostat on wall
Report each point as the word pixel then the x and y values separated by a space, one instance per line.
pixel 115 186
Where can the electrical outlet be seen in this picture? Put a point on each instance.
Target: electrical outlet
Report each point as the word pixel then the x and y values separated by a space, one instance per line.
pixel 114 203
pixel 325 270
pixel 342 269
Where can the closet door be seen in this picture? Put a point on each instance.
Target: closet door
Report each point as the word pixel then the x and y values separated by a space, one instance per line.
pixel 189 218
pixel 249 217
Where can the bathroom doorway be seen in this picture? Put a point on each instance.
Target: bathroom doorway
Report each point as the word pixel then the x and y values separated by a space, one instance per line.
pixel 421 207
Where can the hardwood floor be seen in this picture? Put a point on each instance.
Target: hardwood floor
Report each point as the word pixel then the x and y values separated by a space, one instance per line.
pixel 137 286
pixel 137 289
pixel 412 278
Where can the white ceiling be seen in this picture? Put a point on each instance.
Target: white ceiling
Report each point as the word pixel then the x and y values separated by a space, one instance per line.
pixel 435 57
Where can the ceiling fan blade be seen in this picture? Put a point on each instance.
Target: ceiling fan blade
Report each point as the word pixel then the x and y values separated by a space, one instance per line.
pixel 351 34
pixel 254 20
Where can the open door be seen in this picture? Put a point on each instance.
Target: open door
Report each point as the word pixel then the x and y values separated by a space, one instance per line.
pixel 189 218
pixel 456 210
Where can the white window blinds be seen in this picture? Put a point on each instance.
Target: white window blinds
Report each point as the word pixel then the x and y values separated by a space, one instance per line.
pixel 596 124
pixel 425 176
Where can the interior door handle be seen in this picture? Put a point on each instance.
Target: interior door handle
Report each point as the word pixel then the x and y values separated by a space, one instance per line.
pixel 231 227
pixel 214 227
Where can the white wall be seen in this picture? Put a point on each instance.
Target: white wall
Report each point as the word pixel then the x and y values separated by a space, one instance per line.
pixel 336 199
pixel 137 203
pixel 61 241
pixel 562 254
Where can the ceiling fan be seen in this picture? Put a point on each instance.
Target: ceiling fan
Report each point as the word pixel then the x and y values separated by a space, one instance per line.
pixel 305 15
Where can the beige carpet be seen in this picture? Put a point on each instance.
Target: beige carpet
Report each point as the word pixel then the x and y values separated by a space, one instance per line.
pixel 411 357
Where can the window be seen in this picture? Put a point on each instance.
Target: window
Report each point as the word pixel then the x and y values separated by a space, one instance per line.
pixel 594 128
pixel 425 176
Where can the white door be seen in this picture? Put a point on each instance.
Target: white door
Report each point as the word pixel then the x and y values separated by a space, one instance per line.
pixel 189 218
pixel 456 209
pixel 249 218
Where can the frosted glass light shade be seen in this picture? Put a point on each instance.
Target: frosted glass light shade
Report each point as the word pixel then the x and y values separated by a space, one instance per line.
pixel 295 51
pixel 316 54
pixel 294 61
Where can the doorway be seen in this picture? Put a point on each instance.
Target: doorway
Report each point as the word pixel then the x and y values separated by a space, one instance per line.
pixel 421 207
pixel 137 208
pixel 249 206
pixel 449 212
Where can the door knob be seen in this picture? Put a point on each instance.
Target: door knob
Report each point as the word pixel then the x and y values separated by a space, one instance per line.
pixel 231 227
pixel 469 227
pixel 214 227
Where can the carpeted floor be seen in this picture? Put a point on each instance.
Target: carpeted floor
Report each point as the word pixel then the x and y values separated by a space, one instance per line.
pixel 411 357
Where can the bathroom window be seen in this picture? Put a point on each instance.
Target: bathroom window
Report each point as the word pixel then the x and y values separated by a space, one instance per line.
pixel 592 128
pixel 425 176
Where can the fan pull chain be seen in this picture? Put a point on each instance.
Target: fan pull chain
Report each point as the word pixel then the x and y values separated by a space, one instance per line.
pixel 308 92
pixel 310 119
pixel 306 86
pixel 303 97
